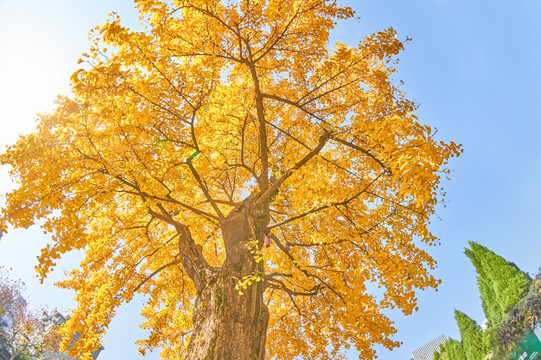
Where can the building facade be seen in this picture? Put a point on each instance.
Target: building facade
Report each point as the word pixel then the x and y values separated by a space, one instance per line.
pixel 426 352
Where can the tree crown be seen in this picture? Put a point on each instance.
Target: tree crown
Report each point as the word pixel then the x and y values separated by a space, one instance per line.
pixel 219 105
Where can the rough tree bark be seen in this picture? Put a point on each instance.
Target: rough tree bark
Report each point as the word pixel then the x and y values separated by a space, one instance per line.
pixel 226 324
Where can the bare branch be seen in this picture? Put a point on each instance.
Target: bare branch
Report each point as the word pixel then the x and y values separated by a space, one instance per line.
pixel 311 292
pixel 168 198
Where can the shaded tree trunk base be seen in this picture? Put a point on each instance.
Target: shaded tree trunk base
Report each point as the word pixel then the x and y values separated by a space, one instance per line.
pixel 226 324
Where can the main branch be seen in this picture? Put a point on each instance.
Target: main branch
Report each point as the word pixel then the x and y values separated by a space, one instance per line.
pixel 264 150
pixel 191 254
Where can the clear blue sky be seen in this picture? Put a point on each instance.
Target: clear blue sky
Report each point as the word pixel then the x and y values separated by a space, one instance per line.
pixel 472 65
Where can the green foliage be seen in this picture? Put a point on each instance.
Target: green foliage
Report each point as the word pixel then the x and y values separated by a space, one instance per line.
pixel 512 306
pixel 472 337
pixel 451 350
pixel 501 283
pixel 491 307
pixel 489 339
pixel 521 319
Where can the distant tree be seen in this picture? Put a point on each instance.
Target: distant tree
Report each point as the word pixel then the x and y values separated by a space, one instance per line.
pixel 471 336
pixel 501 283
pixel 22 333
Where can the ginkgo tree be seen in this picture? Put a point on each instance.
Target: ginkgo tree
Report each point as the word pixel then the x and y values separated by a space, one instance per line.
pixel 254 182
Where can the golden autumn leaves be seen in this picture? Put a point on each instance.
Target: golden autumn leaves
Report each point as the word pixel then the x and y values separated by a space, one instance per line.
pixel 177 124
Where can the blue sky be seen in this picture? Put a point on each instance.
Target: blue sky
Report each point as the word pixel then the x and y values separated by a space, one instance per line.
pixel 473 66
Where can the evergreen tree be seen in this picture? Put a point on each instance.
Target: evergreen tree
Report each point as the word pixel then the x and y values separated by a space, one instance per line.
pixel 501 283
pixel 472 337
pixel 491 307
pixel 520 320
pixel 451 350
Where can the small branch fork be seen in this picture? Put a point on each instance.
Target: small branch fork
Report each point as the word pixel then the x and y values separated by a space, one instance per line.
pixel 203 187
pixel 174 262
pixel 276 284
pixel 191 254
pixel 364 151
pixel 321 283
pixel 276 184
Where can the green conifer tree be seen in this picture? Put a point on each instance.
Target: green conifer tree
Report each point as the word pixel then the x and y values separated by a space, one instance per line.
pixel 491 307
pixel 451 350
pixel 501 283
pixel 472 337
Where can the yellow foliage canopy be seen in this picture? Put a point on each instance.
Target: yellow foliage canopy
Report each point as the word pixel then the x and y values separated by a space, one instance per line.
pixel 212 103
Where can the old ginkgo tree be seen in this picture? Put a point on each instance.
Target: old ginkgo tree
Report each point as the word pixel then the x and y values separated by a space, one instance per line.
pixel 247 178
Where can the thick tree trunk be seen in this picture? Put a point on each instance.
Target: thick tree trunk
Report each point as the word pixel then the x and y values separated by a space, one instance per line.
pixel 228 325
